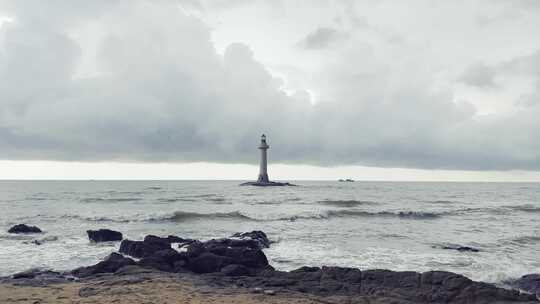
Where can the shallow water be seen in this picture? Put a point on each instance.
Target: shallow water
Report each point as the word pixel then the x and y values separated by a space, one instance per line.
pixel 393 225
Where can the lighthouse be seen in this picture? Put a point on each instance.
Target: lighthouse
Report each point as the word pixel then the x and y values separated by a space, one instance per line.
pixel 263 174
pixel 263 180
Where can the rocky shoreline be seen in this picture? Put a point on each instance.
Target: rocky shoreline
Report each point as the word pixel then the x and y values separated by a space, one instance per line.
pixel 238 264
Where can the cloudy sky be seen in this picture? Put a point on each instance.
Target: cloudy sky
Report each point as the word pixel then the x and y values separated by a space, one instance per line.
pixel 414 90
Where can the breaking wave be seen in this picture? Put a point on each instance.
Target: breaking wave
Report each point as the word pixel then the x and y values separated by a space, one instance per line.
pixel 97 218
pixel 399 214
pixel 360 213
pixel 179 216
pixel 346 203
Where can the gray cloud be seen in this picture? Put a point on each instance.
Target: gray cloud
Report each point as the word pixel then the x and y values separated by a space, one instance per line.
pixel 321 38
pixel 162 92
pixel 479 75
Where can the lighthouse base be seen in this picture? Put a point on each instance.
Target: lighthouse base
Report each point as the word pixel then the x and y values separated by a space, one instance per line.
pixel 263 178
pixel 266 184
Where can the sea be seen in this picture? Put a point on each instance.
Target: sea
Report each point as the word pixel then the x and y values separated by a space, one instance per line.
pixel 369 225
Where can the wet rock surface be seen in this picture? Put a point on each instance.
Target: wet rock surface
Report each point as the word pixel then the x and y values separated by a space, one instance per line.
pixel 104 235
pixel 23 228
pixel 427 287
pixel 37 277
pixel 111 264
pixel 258 236
pixel 240 262
pixel 529 283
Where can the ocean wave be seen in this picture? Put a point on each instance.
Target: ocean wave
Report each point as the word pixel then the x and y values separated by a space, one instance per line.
pixel 180 216
pixel 175 199
pixel 526 240
pixel 525 208
pixel 442 202
pixel 110 200
pixel 361 213
pixel 293 199
pixel 399 214
pixel 216 200
pixel 97 218
pixel 346 203
pixel 265 203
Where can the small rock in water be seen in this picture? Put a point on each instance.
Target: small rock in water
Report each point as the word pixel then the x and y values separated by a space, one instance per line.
pixel 43 240
pixel 23 228
pixel 104 235
pixel 457 247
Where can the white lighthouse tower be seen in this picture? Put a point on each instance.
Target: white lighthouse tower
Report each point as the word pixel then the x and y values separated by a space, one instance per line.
pixel 263 180
pixel 263 174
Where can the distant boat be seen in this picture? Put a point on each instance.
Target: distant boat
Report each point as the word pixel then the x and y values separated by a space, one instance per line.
pixel 346 180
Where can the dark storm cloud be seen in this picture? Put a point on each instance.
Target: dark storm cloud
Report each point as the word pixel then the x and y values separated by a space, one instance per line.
pixel 162 92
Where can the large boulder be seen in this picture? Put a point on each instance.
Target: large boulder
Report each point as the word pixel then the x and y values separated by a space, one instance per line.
pixel 201 257
pixel 23 228
pixel 111 264
pixel 243 252
pixel 104 235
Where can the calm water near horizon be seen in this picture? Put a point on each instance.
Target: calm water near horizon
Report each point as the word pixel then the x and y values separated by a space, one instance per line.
pixel 391 225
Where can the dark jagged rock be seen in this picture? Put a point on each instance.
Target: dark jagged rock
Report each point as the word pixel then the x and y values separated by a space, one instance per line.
pixel 235 270
pixel 111 264
pixel 23 228
pixel 32 273
pixel 255 235
pixel 201 257
pixel 208 262
pixel 169 239
pixel 176 239
pixel 164 260
pixel 104 235
pixel 223 252
pixel 140 249
pixel 409 286
pixel 529 283
pixel 37 277
pixel 241 261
